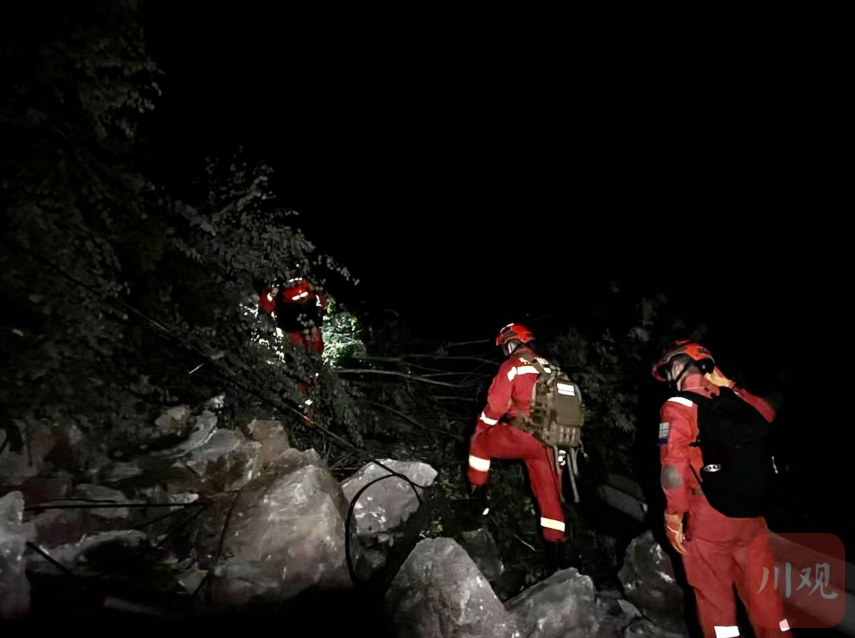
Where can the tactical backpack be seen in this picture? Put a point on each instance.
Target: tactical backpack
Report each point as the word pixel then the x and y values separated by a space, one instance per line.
pixel 557 414
pixel 736 445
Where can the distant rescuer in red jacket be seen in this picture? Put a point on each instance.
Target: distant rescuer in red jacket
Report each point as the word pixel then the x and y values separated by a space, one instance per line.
pixel 495 438
pixel 298 308
pixel 718 550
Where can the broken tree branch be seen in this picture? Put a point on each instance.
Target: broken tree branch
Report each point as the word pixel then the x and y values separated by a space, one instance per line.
pixel 413 421
pixel 396 374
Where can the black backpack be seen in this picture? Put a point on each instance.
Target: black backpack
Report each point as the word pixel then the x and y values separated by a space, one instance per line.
pixel 736 445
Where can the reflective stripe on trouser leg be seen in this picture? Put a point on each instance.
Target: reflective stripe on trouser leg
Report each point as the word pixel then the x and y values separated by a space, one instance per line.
pixel 784 625
pixel 552 524
pixel 726 631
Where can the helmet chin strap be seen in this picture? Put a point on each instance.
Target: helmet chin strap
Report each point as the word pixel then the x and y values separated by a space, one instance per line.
pixel 509 350
pixel 675 383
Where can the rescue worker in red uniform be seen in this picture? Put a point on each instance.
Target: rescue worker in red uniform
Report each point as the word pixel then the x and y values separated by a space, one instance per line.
pixel 298 308
pixel 496 438
pixel 718 551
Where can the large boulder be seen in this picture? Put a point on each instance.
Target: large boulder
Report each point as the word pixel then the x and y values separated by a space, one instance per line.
pixel 388 503
pixel 381 514
pixel 649 583
pixel 562 606
pixel 440 593
pixel 285 535
pixel 14 534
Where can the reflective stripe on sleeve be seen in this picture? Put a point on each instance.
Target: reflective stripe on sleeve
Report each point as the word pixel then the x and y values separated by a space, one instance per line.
pixel 488 420
pixel 521 370
pixel 682 401
pixel 479 464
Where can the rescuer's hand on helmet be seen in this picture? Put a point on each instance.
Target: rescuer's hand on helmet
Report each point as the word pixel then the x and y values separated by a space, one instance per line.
pixel 718 378
pixel 674 531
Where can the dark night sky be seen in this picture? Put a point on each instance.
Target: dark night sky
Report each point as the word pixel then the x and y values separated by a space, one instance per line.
pixel 509 163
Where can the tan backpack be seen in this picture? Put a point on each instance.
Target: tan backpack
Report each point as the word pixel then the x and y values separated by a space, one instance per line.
pixel 557 410
pixel 557 415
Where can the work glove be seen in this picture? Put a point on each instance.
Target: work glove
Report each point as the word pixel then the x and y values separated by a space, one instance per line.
pixel 718 378
pixel 674 531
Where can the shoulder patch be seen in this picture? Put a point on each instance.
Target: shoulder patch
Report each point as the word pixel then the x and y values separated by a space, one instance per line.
pixel 664 429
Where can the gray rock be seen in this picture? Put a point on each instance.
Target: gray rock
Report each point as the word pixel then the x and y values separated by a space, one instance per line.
pixel 225 463
pixel 482 548
pixel 387 504
pixel 644 628
pixel 59 527
pixel 615 615
pixel 369 562
pixel 43 489
pixel 17 467
pixel 201 429
pixel 629 609
pixel 649 583
pixel 100 493
pixel 286 535
pixel 273 439
pixel 562 606
pixel 14 534
pixel 191 578
pixel 76 453
pixel 440 593
pixel 94 554
pixel 175 422
pixel 117 472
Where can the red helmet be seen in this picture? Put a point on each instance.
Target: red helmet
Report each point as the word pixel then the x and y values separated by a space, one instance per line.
pixel 691 349
pixel 514 331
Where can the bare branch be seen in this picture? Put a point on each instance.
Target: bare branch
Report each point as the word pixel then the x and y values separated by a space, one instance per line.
pixel 413 421
pixel 396 374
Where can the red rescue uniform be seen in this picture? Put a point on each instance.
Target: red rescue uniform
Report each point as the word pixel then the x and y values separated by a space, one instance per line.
pixel 495 438
pixel 297 296
pixel 720 551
